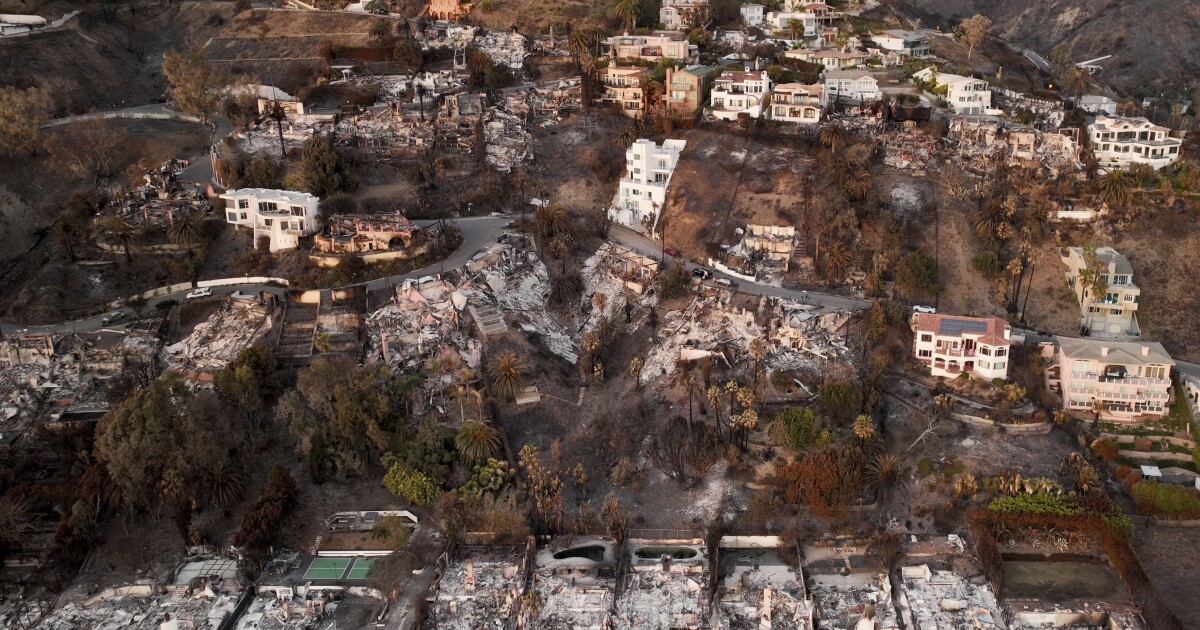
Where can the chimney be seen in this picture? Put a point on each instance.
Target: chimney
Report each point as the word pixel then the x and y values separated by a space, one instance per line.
pixel 1145 351
pixel 1104 351
pixel 670 75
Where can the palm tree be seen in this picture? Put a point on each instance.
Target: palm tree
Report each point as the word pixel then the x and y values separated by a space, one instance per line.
pixel 121 230
pixel 635 370
pixel 15 520
pixel 224 486
pixel 422 92
pixel 864 428
pixel 507 375
pixel 476 441
pixel 565 288
pixel 858 184
pixel 885 475
pixel 184 230
pixel 756 351
pixel 551 220
pixel 1116 189
pixel 278 114
pixel 628 136
pixel 991 215
pixel 380 30
pixel 833 136
pixel 627 12
pixel 837 261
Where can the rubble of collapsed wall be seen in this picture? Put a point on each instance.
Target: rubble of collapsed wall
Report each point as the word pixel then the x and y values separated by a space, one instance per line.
pixel 575 582
pixel 975 140
pixel 665 585
pixel 239 323
pixel 612 271
pixel 942 599
pixel 480 587
pixel 804 335
pixel 423 318
pixel 758 589
pixel 162 198
pixel 853 601
pixel 764 251
pixel 359 233
pixel 504 48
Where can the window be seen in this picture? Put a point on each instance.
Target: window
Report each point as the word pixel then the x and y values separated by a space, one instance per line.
pixel 268 206
pixel 1130 298
pixel 243 204
pixel 243 216
pixel 232 216
pixel 985 351
pixel 297 211
pixel 984 364
pixel 1114 311
pixel 926 337
pixel 998 366
pixel 1000 352
pixel 267 222
pixel 924 354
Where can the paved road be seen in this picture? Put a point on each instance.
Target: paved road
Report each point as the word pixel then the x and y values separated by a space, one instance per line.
pixel 478 233
pixel 647 247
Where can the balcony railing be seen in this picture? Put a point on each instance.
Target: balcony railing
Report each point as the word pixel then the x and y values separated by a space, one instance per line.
pixel 1143 381
pixel 1092 392
pixel 952 352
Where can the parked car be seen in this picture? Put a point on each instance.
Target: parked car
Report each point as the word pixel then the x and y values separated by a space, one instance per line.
pixel 113 317
pixel 199 293
pixel 924 309
pixel 703 273
pixel 672 252
pixel 724 282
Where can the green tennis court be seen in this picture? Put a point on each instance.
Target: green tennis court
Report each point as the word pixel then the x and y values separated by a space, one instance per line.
pixel 360 568
pixel 327 569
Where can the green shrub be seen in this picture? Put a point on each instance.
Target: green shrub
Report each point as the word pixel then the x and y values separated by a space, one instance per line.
pixel 412 485
pixel 988 264
pixel 1165 499
pixel 1037 503
pixel 798 427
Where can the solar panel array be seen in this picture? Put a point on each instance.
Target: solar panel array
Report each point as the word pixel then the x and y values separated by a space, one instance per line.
pixel 958 326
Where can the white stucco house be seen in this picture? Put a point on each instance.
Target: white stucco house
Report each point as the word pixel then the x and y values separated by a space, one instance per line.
pixel 965 95
pixel 643 189
pixel 736 93
pixel 282 216
pixel 854 86
pixel 1121 142
pixel 753 14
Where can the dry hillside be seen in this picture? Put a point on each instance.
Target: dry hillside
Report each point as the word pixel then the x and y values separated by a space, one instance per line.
pixel 1150 40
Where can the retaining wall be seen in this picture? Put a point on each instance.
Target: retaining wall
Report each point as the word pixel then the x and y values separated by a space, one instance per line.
pixel 163 115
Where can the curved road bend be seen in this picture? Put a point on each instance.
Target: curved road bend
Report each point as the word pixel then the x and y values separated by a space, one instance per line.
pixel 478 233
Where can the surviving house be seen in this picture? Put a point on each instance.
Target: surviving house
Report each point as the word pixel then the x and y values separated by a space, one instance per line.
pixel 1096 104
pixel 965 95
pixel 1120 142
pixel 624 87
pixel 1103 283
pixel 643 189
pixel 797 102
pixel 907 43
pixel 752 14
pixel 736 93
pixel 280 216
pixel 952 345
pixel 682 14
pixel 1116 381
pixel 854 86
pixel 448 9
pixel 830 58
pixel 686 88
pixel 653 47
